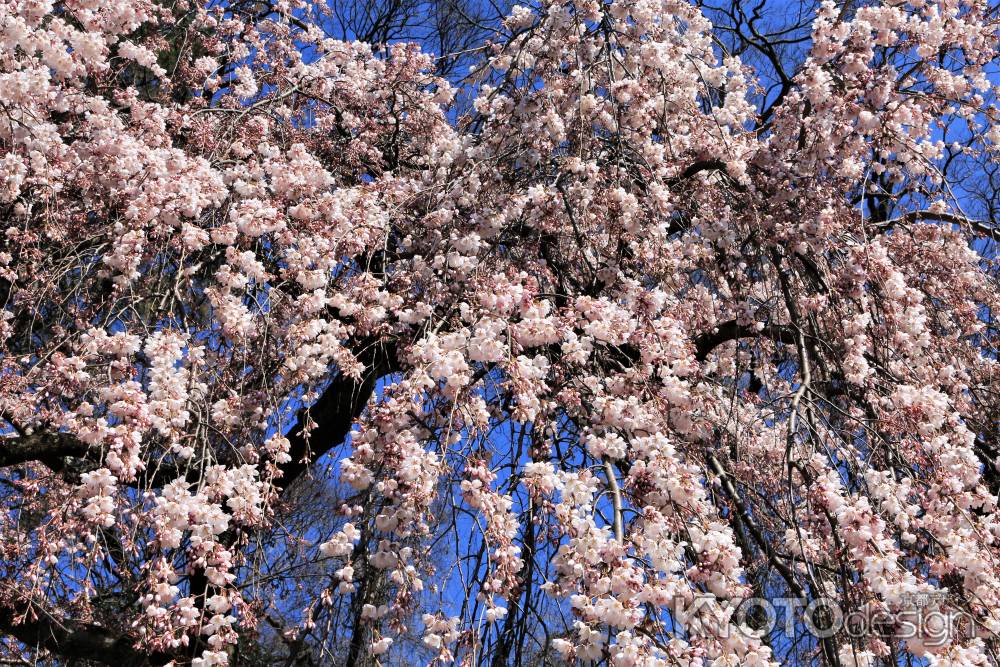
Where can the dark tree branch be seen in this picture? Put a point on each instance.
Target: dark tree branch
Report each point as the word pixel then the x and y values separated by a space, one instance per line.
pixel 979 226
pixel 727 331
pixel 48 448
pixel 333 414
pixel 74 639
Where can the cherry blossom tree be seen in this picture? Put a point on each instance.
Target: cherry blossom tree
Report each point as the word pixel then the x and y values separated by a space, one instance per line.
pixel 305 361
